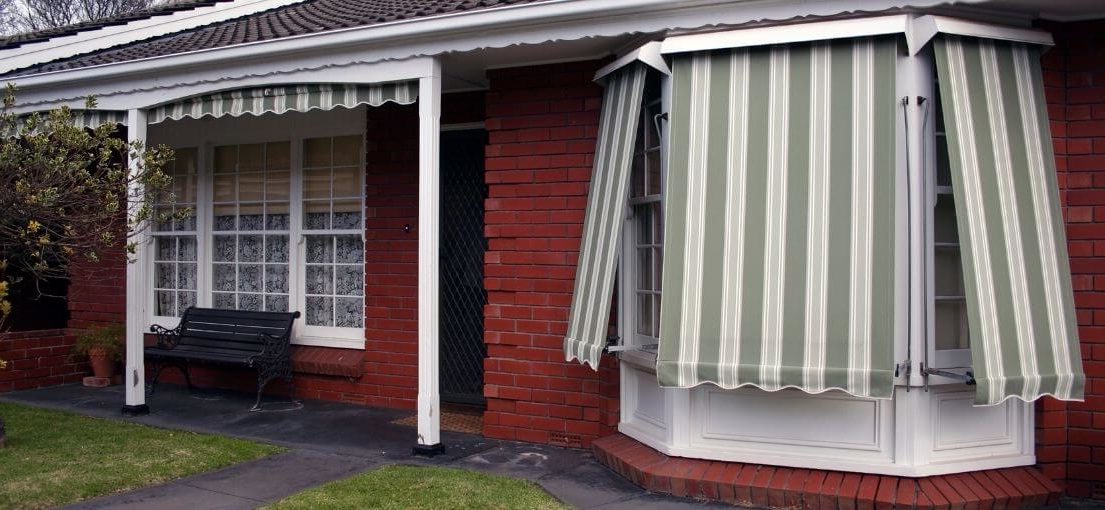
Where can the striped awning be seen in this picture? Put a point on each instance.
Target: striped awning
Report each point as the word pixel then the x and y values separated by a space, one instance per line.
pixel 81 118
pixel 285 98
pixel 780 262
pixel 1020 306
pixel 606 207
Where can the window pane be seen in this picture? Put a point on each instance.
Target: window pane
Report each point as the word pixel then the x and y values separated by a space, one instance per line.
pixel 251 302
pixel 347 150
pixel 224 277
pixel 637 176
pixel 276 278
pixel 165 275
pixel 951 325
pixel 226 301
pixel 226 188
pixel 226 159
pixel 349 312
pixel 249 278
pixel 943 166
pixel 186 276
pixel 316 183
pixel 320 311
pixel 187 247
pixel 316 215
pixel 347 215
pixel 225 248
pixel 251 217
pixel 251 157
pixel 349 280
pixel 226 217
pixel 644 314
pixel 652 160
pixel 277 185
pixel 316 152
pixel 251 187
pixel 320 249
pixel 944 227
pixel 166 248
pixel 276 303
pixel 644 268
pixel 185 300
pixel 276 248
pixel 277 216
pixel 948 274
pixel 278 155
pixel 320 279
pixel 250 248
pixel 350 249
pixel 166 303
pixel 347 182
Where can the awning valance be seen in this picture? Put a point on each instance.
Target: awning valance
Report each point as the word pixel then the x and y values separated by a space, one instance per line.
pixel 606 206
pixel 1020 306
pixel 780 262
pixel 82 118
pixel 285 98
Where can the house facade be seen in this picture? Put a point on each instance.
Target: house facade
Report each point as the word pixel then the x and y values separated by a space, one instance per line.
pixel 780 253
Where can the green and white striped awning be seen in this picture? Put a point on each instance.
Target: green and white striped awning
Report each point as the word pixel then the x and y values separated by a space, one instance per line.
pixel 285 98
pixel 605 216
pixel 1020 306
pixel 780 261
pixel 82 118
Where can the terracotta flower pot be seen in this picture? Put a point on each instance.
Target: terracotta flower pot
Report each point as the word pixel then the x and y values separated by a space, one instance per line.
pixel 102 364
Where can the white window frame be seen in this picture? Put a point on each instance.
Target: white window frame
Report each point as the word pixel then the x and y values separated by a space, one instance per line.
pixel 205 135
pixel 171 321
pixel 627 263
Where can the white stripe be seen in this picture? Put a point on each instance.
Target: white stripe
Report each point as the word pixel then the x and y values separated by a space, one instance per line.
pixel 1039 179
pixel 976 220
pixel 735 177
pixel 692 266
pixel 817 240
pixel 776 218
pixel 862 202
pixel 1003 166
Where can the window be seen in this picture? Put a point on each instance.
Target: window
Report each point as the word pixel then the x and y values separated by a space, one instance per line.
pixel 175 251
pixel 643 255
pixel 950 339
pixel 333 287
pixel 250 227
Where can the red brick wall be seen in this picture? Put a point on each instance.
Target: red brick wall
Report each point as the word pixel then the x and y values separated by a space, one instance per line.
pixel 98 291
pixel 39 358
pixel 1071 437
pixel 542 123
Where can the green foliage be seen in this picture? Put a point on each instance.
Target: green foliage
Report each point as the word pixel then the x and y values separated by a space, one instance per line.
pixel 69 194
pixel 54 458
pixel 109 338
pixel 431 488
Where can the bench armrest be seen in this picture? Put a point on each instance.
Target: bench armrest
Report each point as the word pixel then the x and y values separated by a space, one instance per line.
pixel 275 347
pixel 166 338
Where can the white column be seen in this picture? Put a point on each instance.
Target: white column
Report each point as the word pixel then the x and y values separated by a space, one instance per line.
pixel 134 377
pixel 429 207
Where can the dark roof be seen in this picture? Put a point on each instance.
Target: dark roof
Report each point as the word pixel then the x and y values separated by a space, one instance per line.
pixel 17 40
pixel 308 17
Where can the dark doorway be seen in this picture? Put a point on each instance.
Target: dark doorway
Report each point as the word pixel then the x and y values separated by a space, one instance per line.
pixel 463 244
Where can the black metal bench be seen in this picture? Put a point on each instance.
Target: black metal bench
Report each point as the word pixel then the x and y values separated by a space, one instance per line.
pixel 257 340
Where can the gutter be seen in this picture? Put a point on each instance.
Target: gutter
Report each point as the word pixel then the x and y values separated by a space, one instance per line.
pixel 538 22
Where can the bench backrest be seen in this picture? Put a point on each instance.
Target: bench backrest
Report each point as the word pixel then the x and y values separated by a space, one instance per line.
pixel 233 329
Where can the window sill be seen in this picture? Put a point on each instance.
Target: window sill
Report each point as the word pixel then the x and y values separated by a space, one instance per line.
pixel 639 359
pixel 339 343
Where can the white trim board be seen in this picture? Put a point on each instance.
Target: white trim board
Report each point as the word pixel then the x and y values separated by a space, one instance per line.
pixel 647 53
pixel 798 32
pixel 925 29
pixel 534 23
pixel 86 41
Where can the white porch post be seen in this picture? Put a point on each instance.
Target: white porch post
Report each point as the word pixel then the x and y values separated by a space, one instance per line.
pixel 134 377
pixel 429 194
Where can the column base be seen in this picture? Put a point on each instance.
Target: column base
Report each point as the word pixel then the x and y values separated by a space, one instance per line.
pixel 138 410
pixel 429 450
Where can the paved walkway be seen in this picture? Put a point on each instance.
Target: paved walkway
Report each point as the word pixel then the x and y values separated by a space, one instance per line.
pixel 329 441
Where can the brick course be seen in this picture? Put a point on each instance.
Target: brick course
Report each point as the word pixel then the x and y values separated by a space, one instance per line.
pixel 38 359
pixel 542 123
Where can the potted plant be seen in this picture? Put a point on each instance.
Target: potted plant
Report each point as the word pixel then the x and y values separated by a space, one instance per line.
pixel 103 346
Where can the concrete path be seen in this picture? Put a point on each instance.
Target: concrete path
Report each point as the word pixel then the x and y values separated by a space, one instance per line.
pixel 329 441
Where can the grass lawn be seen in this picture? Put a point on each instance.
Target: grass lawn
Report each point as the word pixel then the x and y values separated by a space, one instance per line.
pixel 409 487
pixel 54 458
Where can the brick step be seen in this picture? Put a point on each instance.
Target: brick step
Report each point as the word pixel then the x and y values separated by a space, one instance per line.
pixel 779 487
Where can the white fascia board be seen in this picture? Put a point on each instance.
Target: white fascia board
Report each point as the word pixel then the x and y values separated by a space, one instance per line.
pixel 534 23
pixel 785 34
pixel 925 29
pixel 87 41
pixel 647 53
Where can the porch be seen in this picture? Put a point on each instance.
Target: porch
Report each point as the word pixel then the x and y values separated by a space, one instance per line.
pixel 329 440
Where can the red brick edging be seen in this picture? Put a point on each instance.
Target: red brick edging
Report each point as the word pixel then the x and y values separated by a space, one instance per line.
pixel 780 487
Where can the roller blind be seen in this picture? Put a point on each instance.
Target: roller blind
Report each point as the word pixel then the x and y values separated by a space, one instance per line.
pixel 282 99
pixel 605 215
pixel 1020 306
pixel 780 260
